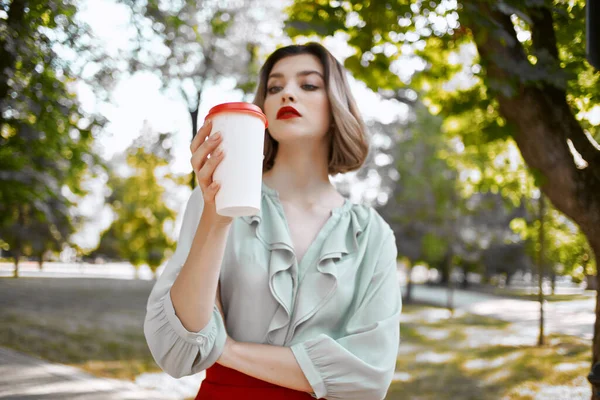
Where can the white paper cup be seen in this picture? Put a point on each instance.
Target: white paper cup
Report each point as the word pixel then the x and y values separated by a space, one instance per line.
pixel 242 126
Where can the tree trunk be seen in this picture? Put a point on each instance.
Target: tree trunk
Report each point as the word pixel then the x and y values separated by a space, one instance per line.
pixel 542 120
pixel 465 280
pixel 509 279
pixel 41 260
pixel 443 268
pixel 448 267
pixel 409 284
pixel 17 258
pixel 540 261
pixel 18 248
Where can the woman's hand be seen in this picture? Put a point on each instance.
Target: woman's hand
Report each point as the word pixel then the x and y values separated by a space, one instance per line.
pixel 204 167
pixel 227 358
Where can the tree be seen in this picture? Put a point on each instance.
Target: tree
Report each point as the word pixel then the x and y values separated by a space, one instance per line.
pixel 423 209
pixel 541 261
pixel 45 137
pixel 138 232
pixel 194 44
pixel 566 249
pixel 526 78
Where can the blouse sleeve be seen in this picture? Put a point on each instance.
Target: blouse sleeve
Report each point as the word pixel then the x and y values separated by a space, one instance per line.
pixel 176 350
pixel 361 364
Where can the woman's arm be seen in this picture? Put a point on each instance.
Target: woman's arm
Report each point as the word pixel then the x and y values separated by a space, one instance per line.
pixel 357 366
pixel 272 364
pixel 183 328
pixel 177 350
pixel 193 293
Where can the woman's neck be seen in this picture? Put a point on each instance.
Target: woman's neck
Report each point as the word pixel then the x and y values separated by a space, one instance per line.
pixel 300 173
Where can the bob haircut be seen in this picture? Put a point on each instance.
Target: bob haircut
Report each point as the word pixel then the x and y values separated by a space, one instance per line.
pixel 348 142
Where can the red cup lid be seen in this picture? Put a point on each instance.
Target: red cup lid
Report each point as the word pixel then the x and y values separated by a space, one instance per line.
pixel 239 107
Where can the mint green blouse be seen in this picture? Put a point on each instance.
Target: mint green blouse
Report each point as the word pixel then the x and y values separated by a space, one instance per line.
pixel 338 309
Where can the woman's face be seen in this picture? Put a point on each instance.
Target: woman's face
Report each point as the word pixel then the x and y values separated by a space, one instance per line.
pixel 296 104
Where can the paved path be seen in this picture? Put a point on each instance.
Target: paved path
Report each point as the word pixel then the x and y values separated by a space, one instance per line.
pixel 27 378
pixel 568 317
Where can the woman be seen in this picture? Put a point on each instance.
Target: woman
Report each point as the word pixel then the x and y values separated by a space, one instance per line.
pixel 308 288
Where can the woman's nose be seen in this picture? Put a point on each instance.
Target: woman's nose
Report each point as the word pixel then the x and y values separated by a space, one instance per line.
pixel 287 94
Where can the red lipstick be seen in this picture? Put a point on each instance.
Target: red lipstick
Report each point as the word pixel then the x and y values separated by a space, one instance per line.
pixel 287 112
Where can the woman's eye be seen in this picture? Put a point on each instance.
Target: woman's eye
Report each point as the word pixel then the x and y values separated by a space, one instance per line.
pixel 308 86
pixel 273 89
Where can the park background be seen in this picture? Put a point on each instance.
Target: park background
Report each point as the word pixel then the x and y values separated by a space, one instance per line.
pixel 483 119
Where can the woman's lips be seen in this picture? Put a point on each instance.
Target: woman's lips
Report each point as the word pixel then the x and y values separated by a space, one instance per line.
pixel 287 113
pixel 288 116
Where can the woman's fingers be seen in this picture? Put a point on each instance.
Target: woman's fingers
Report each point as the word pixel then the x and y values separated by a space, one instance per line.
pixel 210 192
pixel 203 166
pixel 205 173
pixel 208 147
pixel 201 135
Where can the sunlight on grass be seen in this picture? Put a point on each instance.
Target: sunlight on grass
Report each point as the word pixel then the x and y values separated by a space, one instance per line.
pixel 402 377
pixel 434 334
pixel 474 357
pixel 578 390
pixel 481 363
pixel 499 376
pixel 434 358
pixel 565 367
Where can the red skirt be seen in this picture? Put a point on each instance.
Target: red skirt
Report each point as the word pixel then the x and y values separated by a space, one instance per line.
pixel 223 383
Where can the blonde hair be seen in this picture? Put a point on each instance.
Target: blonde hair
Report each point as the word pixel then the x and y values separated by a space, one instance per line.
pixel 349 146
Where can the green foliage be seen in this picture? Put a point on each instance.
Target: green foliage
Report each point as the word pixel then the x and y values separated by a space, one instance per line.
pixel 427 49
pixel 567 250
pixel 424 207
pixel 138 232
pixel 434 36
pixel 45 138
pixel 435 248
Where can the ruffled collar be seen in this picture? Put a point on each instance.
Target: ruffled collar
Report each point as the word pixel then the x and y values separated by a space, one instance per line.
pixel 273 231
pixel 344 226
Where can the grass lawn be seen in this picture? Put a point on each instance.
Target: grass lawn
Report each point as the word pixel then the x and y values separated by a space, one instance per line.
pixel 101 352
pixel 92 324
pixel 96 325
pixel 473 357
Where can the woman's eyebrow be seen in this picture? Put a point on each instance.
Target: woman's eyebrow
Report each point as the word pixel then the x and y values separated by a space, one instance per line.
pixel 301 73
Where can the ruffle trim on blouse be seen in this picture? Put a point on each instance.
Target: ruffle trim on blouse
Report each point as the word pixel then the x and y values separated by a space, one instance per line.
pixel 346 224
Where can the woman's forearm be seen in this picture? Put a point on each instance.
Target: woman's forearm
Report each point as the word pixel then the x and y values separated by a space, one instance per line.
pixel 274 364
pixel 193 292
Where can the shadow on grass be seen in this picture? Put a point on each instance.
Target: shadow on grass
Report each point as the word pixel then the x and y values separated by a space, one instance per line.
pixel 113 354
pixel 441 382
